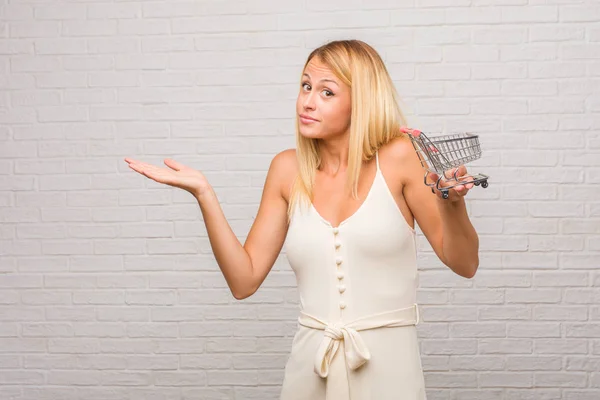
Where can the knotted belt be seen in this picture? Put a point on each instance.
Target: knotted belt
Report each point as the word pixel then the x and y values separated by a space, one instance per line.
pixel 356 351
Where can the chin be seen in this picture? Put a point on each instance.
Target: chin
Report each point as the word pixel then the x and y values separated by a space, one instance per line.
pixel 309 134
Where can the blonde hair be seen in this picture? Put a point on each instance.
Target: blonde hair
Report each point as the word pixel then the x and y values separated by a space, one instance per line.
pixel 375 117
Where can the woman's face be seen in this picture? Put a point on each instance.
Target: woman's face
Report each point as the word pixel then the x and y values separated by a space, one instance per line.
pixel 324 104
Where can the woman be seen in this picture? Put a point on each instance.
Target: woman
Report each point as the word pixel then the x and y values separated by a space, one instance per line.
pixel 345 202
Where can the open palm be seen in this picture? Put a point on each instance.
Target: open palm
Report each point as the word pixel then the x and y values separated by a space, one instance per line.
pixel 177 175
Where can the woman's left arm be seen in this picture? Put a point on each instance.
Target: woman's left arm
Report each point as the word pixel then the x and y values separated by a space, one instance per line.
pixel 444 222
pixel 460 243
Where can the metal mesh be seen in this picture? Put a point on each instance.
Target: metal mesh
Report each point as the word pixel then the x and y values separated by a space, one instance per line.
pixel 442 153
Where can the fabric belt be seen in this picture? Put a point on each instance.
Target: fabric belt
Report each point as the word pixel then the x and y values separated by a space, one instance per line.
pixel 356 351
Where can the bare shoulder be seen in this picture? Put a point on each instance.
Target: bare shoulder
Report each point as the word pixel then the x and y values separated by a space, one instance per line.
pixel 284 168
pixel 286 158
pixel 399 161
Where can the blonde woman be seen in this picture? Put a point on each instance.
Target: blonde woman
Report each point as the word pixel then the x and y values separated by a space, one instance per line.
pixel 346 200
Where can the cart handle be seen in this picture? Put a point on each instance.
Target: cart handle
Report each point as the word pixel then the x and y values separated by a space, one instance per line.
pixel 410 131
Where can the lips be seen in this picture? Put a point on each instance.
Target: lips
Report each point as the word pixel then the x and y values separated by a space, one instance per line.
pixel 306 117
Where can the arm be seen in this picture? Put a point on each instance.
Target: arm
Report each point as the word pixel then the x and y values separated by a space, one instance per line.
pixel 460 242
pixel 444 222
pixel 246 267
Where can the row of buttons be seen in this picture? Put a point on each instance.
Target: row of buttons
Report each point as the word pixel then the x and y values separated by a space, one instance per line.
pixel 340 275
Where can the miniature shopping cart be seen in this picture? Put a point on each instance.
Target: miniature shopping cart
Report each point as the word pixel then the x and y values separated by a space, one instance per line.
pixel 442 153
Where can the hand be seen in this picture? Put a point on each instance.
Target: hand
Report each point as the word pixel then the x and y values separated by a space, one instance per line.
pixel 458 191
pixel 178 175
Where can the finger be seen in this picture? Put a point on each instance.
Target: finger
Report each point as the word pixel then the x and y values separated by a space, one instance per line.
pixel 468 179
pixel 455 173
pixel 450 174
pixel 435 178
pixel 177 166
pixel 138 168
pixel 154 173
pixel 144 168
pixel 463 192
pixel 442 183
pixel 130 160
pixel 145 165
pixel 134 166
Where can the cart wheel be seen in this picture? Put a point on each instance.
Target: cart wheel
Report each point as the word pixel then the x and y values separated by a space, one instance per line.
pixel 476 183
pixel 484 184
pixel 445 195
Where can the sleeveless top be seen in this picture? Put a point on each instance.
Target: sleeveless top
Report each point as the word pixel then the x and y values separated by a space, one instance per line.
pixel 352 280
pixel 371 256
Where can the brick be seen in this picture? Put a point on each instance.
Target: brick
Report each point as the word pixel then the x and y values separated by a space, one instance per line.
pixel 533 363
pixel 505 346
pixel 128 346
pixel 560 313
pixel 159 330
pixel 100 329
pixel 180 378
pixel 561 346
pixel 533 329
pixel 152 362
pixel 50 329
pixel 206 361
pixel 233 378
pixel 449 380
pixel 21 378
pixel 506 379
pixel 562 379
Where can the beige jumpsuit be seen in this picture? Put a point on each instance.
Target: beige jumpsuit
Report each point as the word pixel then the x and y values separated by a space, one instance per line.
pixel 357 283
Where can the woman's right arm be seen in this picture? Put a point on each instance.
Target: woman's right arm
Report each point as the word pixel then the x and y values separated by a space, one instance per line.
pixel 246 267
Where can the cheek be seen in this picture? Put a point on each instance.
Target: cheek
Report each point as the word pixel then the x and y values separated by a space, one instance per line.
pixel 339 115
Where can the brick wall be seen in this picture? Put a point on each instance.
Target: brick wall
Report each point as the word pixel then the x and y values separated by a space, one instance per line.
pixel 108 288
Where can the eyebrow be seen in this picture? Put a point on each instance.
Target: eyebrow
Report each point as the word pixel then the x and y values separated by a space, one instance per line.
pixel 322 80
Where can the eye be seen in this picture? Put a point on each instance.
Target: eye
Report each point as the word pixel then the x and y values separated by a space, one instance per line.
pixel 329 93
pixel 304 84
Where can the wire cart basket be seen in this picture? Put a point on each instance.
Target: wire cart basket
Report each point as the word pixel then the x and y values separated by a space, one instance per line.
pixel 442 153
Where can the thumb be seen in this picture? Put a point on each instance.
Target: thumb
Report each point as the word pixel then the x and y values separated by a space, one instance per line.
pixel 173 164
pixel 462 170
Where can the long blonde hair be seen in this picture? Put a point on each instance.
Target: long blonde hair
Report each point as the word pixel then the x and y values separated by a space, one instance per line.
pixel 375 120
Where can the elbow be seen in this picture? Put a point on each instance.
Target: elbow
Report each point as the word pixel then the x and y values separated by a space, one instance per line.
pixel 465 270
pixel 242 294
pixel 469 268
pixel 470 272
pixel 243 288
pixel 237 295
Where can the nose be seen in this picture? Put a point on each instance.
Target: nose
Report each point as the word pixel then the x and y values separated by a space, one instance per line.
pixel 308 102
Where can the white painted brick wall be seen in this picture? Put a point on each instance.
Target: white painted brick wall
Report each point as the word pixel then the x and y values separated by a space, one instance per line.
pixel 108 287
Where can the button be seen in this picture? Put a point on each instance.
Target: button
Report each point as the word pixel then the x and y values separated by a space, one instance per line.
pixel 342 288
pixel 336 231
pixel 342 305
pixel 340 275
pixel 338 260
pixel 337 244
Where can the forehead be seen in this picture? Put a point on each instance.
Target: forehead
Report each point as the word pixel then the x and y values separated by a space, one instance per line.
pixel 315 68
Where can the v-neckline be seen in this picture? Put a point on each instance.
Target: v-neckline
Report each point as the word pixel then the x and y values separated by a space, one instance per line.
pixel 355 212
